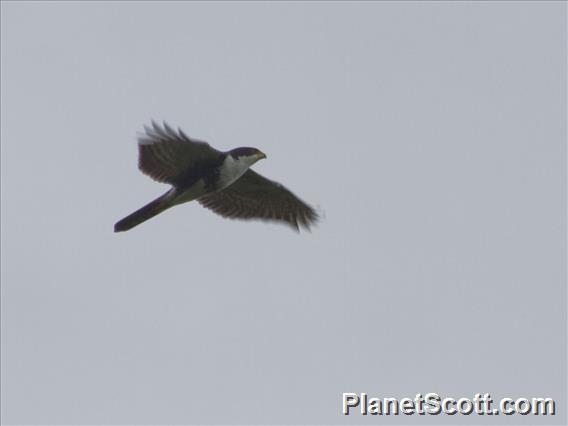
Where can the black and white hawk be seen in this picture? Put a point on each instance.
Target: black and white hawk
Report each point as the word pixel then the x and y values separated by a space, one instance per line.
pixel 220 181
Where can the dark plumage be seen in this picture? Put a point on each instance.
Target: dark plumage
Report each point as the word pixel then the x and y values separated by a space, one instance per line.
pixel 253 196
pixel 220 181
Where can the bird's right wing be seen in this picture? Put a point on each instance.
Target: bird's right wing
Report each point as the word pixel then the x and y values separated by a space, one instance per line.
pixel 166 155
pixel 253 196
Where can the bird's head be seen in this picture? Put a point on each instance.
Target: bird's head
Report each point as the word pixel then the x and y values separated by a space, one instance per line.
pixel 249 155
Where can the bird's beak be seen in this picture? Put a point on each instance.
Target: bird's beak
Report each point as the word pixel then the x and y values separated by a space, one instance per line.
pixel 261 155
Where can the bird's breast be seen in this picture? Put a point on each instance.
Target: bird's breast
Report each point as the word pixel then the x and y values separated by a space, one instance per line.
pixel 229 171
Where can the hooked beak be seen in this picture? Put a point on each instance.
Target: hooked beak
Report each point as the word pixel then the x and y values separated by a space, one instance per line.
pixel 261 155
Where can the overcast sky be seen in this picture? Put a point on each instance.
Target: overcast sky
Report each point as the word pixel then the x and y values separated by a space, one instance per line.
pixel 431 135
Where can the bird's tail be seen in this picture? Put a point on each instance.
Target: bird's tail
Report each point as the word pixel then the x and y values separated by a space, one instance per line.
pixel 142 215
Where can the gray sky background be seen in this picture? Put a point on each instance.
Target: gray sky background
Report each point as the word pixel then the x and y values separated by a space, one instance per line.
pixel 431 134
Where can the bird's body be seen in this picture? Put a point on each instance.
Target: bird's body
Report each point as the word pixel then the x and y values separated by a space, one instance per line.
pixel 220 181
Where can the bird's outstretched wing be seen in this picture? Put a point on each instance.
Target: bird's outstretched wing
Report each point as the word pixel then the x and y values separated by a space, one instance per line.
pixel 253 196
pixel 166 155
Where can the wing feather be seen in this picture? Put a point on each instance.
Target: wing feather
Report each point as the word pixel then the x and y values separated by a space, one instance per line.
pixel 253 196
pixel 166 155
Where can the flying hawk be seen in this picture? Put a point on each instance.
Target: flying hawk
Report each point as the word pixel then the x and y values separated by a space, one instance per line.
pixel 220 181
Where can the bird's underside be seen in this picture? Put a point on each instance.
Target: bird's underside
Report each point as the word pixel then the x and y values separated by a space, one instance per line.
pixel 219 181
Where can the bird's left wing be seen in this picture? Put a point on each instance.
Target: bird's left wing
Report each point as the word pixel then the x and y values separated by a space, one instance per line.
pixel 166 155
pixel 253 196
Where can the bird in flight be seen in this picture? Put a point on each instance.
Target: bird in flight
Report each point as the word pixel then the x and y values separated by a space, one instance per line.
pixel 220 181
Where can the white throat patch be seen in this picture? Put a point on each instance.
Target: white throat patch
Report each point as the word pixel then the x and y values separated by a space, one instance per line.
pixel 232 169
